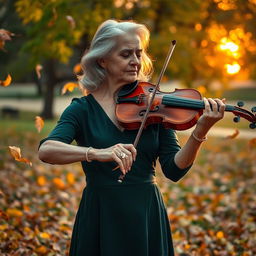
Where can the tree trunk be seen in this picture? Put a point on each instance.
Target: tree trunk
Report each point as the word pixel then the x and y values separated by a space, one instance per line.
pixel 49 68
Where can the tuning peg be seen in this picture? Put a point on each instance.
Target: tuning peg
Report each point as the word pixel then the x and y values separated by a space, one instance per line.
pixel 240 103
pixel 236 119
pixel 253 109
pixel 252 125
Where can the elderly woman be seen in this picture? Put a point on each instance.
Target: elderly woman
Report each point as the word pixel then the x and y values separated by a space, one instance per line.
pixel 128 218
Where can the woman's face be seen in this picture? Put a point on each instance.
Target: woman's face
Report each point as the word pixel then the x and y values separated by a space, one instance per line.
pixel 124 62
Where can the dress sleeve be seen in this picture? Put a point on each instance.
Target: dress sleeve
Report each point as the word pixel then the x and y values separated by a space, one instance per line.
pixel 168 147
pixel 67 128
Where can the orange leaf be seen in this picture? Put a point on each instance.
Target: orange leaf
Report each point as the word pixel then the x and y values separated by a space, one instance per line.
pixel 234 135
pixel 77 68
pixel 44 235
pixel 252 143
pixel 16 154
pixel 39 123
pixel 42 250
pixel 71 21
pixel 219 234
pixel 41 180
pixel 38 70
pixel 70 178
pixel 7 81
pixel 59 183
pixel 14 212
pixel 68 87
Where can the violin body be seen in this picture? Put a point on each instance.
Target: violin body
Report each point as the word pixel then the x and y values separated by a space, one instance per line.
pixel 178 110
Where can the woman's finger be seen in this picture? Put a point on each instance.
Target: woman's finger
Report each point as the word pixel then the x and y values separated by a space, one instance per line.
pixel 117 159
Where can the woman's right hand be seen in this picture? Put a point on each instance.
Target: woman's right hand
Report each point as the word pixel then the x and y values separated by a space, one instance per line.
pixel 122 154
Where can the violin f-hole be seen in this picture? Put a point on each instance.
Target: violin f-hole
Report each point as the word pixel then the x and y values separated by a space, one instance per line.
pixel 155 109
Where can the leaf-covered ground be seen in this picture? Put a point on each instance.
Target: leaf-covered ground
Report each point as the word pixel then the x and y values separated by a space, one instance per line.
pixel 212 210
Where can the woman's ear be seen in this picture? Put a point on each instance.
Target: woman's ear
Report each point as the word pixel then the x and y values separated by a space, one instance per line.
pixel 102 62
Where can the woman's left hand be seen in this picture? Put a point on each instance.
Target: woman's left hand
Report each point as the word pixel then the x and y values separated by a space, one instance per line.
pixel 213 112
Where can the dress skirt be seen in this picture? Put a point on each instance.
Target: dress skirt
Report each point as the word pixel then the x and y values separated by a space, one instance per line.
pixel 126 220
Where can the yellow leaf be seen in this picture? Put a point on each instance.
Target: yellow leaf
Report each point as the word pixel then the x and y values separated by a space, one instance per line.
pixel 39 123
pixel 14 212
pixel 16 154
pixel 70 178
pixel 7 81
pixel 234 135
pixel 68 87
pixel 41 180
pixel 219 234
pixel 59 183
pixel 44 235
pixel 4 227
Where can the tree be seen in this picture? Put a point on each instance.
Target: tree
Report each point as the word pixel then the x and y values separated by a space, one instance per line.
pixel 204 30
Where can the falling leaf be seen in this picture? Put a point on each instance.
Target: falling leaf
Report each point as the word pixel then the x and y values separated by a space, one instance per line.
pixel 77 68
pixel 16 154
pixel 71 21
pixel 59 183
pixel 234 135
pixel 38 70
pixel 39 123
pixel 68 87
pixel 7 81
pixel 5 35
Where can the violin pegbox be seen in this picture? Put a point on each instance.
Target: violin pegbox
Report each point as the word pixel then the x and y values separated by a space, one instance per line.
pixel 241 112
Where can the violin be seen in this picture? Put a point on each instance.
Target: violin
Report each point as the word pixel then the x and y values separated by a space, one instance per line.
pixel 178 110
pixel 140 104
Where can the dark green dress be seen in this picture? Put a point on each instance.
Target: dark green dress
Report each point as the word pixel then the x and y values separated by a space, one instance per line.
pixel 119 219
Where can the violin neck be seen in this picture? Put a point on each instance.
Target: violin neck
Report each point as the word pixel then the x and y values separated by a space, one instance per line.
pixel 174 101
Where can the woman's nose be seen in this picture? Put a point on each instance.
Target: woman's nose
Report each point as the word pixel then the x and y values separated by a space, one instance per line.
pixel 135 60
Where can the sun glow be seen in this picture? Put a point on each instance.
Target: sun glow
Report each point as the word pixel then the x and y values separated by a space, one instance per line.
pixel 232 68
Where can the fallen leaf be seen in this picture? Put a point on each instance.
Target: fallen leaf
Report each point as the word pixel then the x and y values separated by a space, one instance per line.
pixel 14 212
pixel 59 183
pixel 7 81
pixel 68 87
pixel 44 235
pixel 41 180
pixel 252 143
pixel 38 70
pixel 70 178
pixel 219 234
pixel 42 250
pixel 39 123
pixel 16 154
pixel 71 21
pixel 234 135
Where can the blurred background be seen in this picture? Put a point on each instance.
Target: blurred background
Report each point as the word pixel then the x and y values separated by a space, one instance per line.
pixel 212 210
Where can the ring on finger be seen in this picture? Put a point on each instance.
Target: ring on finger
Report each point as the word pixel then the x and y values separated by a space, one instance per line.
pixel 122 155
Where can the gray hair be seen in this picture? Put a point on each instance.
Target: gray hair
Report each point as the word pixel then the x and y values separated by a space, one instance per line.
pixel 102 43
